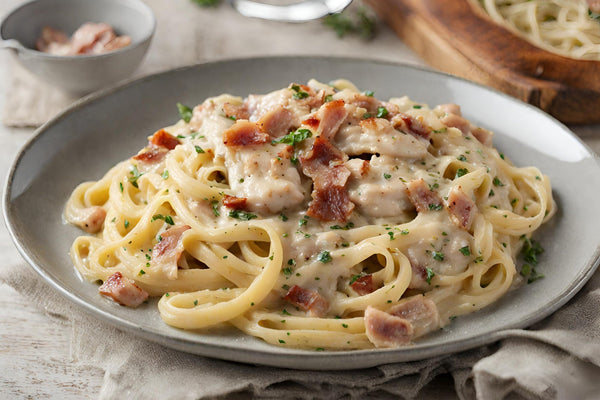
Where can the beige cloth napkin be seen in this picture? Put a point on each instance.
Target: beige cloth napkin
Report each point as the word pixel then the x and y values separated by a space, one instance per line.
pixel 558 358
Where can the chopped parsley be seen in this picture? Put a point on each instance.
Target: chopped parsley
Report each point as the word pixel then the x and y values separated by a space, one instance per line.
pixel 293 138
pixel 165 174
pixel 382 112
pixel 466 251
pixel 369 93
pixel 497 182
pixel 199 149
pixel 430 274
pixel 328 98
pixel 437 255
pixel 126 224
pixel 242 215
pixel 135 175
pixel 299 93
pixel 207 3
pixel 324 257
pixel 386 175
pixel 435 207
pixel 167 218
pixel 461 172
pixel 215 207
pixel 184 112
pixel 346 227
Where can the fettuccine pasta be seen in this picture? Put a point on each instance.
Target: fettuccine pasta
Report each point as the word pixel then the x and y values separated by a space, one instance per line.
pixel 315 217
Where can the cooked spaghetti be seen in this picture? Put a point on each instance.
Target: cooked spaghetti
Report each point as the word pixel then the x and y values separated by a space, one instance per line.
pixel 315 216
pixel 566 27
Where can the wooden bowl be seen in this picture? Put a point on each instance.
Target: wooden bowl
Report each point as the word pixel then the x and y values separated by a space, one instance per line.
pixel 458 38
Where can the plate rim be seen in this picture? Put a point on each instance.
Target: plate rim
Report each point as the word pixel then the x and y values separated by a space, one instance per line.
pixel 312 360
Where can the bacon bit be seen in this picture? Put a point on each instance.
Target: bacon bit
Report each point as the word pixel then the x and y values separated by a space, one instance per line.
pixel 331 201
pixel 418 279
pixel 370 103
pixel 151 155
pixel 420 311
pixel 451 108
pixel 123 290
pixel 331 116
pixel 363 285
pixel 483 135
pixel 461 208
pixel 237 111
pixel 385 330
pixel 421 196
pixel 244 133
pixel 277 122
pixel 456 121
pixel 233 202
pixel 320 155
pixel 91 219
pixel 312 123
pixel 167 252
pixel 307 300
pixel 164 139
pixel 415 126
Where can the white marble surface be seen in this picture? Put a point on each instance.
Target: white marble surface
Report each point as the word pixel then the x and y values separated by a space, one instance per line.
pixel 35 360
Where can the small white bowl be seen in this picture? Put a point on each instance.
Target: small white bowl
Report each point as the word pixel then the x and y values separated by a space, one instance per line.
pixel 82 73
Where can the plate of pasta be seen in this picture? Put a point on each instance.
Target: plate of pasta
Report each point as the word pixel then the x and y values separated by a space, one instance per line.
pixel 330 214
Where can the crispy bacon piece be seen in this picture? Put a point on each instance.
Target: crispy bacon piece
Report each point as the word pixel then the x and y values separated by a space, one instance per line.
pixel 451 108
pixel 307 300
pixel 123 290
pixel 386 330
pixel 91 219
pixel 277 122
pixel 151 155
pixel 461 207
pixel 164 139
pixel 455 120
pixel 237 111
pixel 330 199
pixel 363 285
pixel 321 154
pixel 415 126
pixel 312 122
pixel 168 250
pixel 331 116
pixel 236 203
pixel 483 135
pixel 322 163
pixel 411 318
pixel 422 197
pixel 370 103
pixel 420 311
pixel 244 133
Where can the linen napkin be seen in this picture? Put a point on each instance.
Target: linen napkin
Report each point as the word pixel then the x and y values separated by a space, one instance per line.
pixel 558 358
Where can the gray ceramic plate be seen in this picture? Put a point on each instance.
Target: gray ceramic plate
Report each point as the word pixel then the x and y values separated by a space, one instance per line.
pixel 84 141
